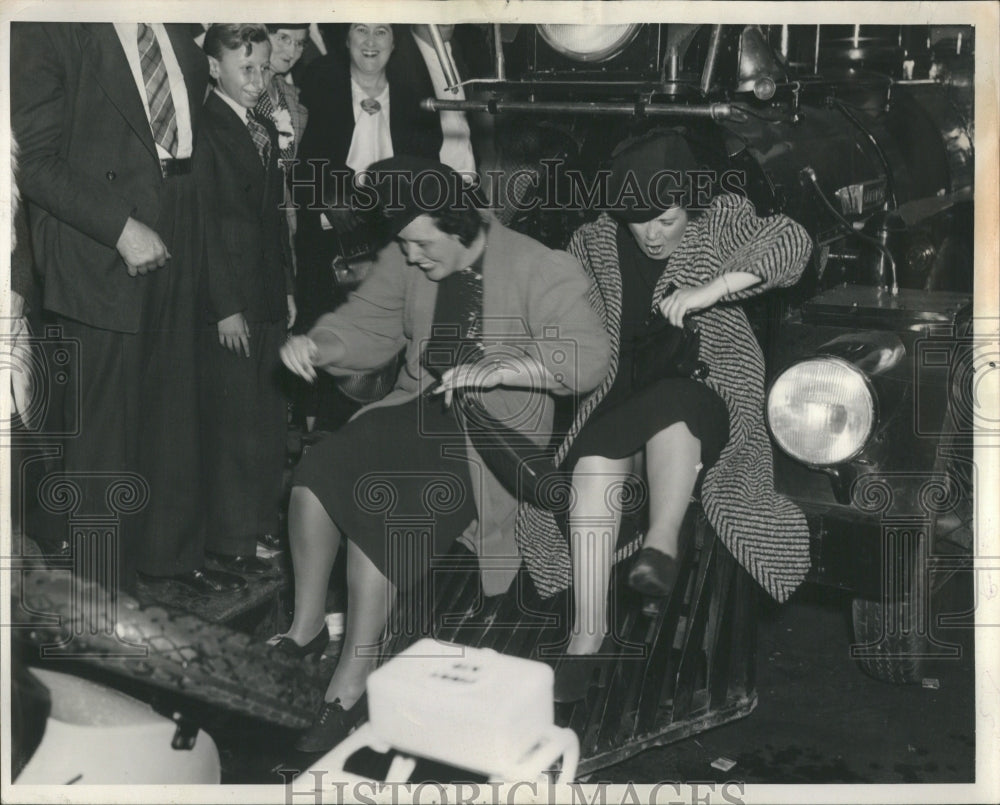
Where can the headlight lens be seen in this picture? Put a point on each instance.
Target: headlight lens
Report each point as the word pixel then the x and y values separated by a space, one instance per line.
pixel 589 43
pixel 821 411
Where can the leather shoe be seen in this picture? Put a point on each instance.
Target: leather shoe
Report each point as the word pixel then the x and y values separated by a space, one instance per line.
pixel 208 582
pixel 245 565
pixel 333 723
pixel 653 572
pixel 574 676
pixel 283 644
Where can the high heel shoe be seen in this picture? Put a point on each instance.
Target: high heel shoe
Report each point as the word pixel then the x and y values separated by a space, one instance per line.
pixel 574 676
pixel 333 723
pixel 283 644
pixel 654 573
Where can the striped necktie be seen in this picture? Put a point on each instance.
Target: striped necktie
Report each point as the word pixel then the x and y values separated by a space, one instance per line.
pixel 162 117
pixel 260 137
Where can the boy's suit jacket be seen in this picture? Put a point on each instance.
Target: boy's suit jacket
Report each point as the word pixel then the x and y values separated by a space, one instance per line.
pixel 248 262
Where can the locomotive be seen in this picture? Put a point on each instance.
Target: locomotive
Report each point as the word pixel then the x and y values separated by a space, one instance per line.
pixel 864 135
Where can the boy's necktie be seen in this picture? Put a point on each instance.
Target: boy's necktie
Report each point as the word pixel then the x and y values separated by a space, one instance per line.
pixel 162 117
pixel 259 135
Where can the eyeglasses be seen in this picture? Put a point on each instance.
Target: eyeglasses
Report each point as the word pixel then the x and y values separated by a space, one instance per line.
pixel 286 41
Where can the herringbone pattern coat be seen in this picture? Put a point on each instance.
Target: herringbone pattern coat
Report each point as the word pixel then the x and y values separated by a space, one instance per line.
pixel 765 531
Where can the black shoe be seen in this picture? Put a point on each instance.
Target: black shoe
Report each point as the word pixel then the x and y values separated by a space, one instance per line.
pixel 333 723
pixel 575 676
pixel 653 573
pixel 283 644
pixel 245 565
pixel 271 542
pixel 206 582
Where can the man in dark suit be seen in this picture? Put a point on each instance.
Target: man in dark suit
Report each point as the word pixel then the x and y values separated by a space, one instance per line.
pixel 107 117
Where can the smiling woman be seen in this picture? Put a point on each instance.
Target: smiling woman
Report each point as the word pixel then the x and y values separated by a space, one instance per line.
pixel 357 115
pixel 473 304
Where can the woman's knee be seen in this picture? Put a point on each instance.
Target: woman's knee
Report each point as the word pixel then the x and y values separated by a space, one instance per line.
pixel 303 499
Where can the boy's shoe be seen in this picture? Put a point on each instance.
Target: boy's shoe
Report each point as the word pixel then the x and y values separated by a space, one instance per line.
pixel 245 565
pixel 269 546
pixel 204 581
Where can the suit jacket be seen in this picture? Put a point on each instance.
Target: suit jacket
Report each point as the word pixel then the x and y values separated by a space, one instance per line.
pixel 88 161
pixel 326 93
pixel 535 301
pixel 248 263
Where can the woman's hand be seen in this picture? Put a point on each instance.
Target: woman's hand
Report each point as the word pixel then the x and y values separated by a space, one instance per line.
pixel 688 300
pixel 299 354
pixel 484 374
pixel 234 334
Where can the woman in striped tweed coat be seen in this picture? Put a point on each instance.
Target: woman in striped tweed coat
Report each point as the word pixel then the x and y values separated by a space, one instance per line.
pixel 690 431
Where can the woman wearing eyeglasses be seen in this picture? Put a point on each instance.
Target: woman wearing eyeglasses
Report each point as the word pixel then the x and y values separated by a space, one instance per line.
pixel 280 100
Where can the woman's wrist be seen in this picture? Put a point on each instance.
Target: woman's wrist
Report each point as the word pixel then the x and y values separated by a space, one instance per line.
pixel 327 347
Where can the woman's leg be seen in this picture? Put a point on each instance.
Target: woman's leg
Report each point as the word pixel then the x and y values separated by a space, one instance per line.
pixel 369 598
pixel 673 461
pixel 593 534
pixel 314 539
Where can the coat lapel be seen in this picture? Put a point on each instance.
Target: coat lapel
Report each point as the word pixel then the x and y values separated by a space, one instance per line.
pixel 103 49
pixel 234 133
pixel 194 66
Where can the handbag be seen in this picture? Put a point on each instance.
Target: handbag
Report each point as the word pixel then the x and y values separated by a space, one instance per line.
pixel 525 469
pixel 664 350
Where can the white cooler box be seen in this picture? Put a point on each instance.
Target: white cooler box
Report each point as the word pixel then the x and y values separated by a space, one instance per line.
pixel 472 708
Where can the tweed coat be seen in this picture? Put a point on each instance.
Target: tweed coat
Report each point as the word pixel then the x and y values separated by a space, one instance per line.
pixel 765 531
pixel 535 302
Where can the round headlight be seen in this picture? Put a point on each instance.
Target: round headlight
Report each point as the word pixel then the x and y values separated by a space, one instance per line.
pixel 589 42
pixel 821 411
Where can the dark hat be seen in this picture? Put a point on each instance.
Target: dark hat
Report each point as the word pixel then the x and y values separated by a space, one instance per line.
pixel 288 26
pixel 649 175
pixel 406 187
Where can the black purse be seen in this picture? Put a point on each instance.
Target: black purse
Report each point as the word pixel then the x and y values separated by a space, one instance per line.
pixel 662 350
pixel 526 470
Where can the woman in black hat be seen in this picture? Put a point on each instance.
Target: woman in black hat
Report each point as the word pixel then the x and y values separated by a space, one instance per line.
pixel 473 304
pixel 663 247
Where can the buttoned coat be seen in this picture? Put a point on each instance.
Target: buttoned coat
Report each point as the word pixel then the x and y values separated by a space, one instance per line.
pixel 85 179
pixel 535 302
pixel 765 531
pixel 248 267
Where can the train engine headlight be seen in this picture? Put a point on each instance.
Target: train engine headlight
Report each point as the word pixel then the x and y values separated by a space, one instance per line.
pixel 589 43
pixel 821 411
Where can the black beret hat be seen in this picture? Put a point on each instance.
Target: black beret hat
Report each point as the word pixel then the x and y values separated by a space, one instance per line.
pixel 407 187
pixel 649 175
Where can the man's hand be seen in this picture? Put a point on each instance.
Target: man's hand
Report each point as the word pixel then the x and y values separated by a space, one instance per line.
pixel 299 354
pixel 234 334
pixel 292 312
pixel 17 355
pixel 141 248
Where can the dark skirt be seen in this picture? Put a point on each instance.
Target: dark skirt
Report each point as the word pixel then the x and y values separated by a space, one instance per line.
pixel 620 430
pixel 396 482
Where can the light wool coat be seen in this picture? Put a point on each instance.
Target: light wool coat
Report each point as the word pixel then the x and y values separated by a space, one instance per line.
pixel 535 302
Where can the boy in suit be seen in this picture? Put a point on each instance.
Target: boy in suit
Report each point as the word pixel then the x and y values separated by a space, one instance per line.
pixel 248 293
